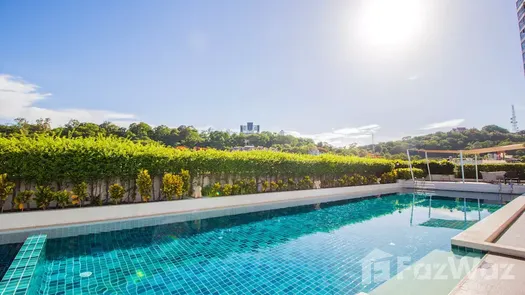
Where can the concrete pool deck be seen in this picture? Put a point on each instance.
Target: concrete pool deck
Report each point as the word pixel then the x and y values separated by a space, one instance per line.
pixel 495 275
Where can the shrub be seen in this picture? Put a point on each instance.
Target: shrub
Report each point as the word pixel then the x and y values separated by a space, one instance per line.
pixel 116 192
pixel 291 184
pixel 22 198
pixel 79 193
pixel 236 189
pixel 343 181
pixel 144 184
pixel 265 186
pixel 227 189
pixel 404 173
pixel 6 188
pixel 389 177
pixel 250 186
pixel 274 186
pixel 43 196
pixel 207 190
pixel 357 179
pixel 47 159
pixel 470 170
pixel 172 186
pixel 216 189
pixel 61 198
pixel 186 178
pixel 372 179
pixel 281 186
pixel 436 167
pixel 306 183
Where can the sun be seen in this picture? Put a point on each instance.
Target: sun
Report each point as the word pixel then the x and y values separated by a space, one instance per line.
pixel 389 23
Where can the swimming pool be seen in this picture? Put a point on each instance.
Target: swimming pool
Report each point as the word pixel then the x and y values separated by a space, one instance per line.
pixel 315 249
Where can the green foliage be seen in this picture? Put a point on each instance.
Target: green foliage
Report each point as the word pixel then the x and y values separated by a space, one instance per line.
pixel 357 179
pixel 436 167
pixel 6 188
pixel 207 191
pixel 23 198
pixel 45 159
pixel 144 184
pixel 265 185
pixel 274 186
pixel 389 177
pixel 306 183
pixel 186 178
pixel 282 186
pixel 172 186
pixel 291 184
pixel 216 189
pixel 248 186
pixel 470 170
pixel 404 173
pixel 79 193
pixel 488 136
pixel 116 192
pixel 61 198
pixel 227 189
pixel 372 179
pixel 43 196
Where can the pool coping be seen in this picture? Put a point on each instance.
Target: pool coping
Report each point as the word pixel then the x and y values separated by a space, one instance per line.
pixel 484 234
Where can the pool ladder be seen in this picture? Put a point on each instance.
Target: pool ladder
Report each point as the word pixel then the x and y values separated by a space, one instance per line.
pixel 422 187
pixel 500 190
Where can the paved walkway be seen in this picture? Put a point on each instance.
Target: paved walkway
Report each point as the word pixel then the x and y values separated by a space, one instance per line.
pixel 495 275
pixel 515 235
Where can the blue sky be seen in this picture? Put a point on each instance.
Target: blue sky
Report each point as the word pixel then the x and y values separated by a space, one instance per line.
pixel 331 70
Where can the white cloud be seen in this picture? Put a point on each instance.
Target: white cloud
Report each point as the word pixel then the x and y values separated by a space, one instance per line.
pixel 413 77
pixel 18 99
pixel 444 124
pixel 343 136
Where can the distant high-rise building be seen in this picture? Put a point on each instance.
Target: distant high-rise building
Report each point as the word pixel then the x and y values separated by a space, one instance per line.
pixel 520 7
pixel 514 121
pixel 250 128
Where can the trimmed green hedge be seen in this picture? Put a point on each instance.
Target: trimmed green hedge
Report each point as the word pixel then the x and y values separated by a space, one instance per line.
pixel 45 159
pixel 436 167
pixel 470 170
pixel 404 173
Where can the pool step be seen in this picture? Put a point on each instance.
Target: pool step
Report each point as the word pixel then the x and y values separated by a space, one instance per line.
pixel 435 274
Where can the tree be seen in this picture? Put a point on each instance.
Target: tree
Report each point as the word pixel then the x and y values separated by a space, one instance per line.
pixel 112 129
pixel 494 128
pixel 140 130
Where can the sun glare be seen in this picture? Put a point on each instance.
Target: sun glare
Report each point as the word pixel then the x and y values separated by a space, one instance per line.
pixel 389 24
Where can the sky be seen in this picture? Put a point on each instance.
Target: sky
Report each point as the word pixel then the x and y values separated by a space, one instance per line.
pixel 334 70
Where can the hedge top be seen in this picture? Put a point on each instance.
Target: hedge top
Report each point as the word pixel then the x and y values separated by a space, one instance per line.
pixel 46 158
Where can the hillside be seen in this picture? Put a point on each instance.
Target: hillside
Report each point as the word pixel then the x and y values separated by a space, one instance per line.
pixel 473 138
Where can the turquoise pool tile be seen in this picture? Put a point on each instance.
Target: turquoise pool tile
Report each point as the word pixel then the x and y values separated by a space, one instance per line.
pixel 17 279
pixel 315 249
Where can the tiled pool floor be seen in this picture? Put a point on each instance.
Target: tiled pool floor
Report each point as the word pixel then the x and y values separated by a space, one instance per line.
pixel 318 249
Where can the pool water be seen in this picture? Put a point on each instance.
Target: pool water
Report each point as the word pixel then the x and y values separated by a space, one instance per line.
pixel 316 249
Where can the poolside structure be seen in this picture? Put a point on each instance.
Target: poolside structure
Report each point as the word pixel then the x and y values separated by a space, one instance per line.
pixel 475 152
